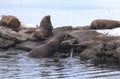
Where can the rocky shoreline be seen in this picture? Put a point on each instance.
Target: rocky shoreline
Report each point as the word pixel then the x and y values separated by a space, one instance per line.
pixel 84 42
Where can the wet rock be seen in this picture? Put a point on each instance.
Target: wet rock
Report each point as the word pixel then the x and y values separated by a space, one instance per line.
pixel 66 45
pixel 91 50
pixel 27 30
pixel 111 51
pixel 28 45
pixel 9 34
pixel 4 43
pixel 85 35
pixel 61 55
pixel 100 53
pixel 21 37
pixel 118 50
pixel 116 54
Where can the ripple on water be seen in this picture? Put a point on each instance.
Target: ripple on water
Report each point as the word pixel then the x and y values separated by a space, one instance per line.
pixel 17 65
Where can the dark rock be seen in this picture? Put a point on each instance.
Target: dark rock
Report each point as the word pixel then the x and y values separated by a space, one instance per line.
pixel 91 50
pixel 84 35
pixel 100 53
pixel 64 29
pixel 66 45
pixel 28 45
pixel 4 43
pixel 118 50
pixel 116 54
pixel 9 34
pixel 81 28
pixel 27 30
pixel 61 55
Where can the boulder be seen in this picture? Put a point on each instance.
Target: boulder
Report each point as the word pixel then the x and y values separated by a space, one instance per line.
pixel 101 52
pixel 96 46
pixel 64 29
pixel 85 35
pixel 4 43
pixel 28 45
pixel 116 54
pixel 66 45
pixel 92 48
pixel 9 34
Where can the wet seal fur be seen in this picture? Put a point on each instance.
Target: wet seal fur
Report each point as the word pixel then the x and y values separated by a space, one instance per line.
pixel 11 22
pixel 104 24
pixel 45 28
pixel 49 48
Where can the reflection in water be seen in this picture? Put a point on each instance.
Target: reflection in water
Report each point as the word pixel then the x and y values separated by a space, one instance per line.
pixel 17 65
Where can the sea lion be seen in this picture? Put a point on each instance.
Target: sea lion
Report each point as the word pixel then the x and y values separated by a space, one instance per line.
pixel 104 24
pixel 45 28
pixel 49 48
pixel 11 22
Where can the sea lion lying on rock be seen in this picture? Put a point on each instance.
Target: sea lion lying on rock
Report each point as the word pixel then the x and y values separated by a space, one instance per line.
pixel 104 24
pixel 45 28
pixel 49 48
pixel 11 22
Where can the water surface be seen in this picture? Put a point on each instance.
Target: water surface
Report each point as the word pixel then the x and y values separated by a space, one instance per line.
pixel 15 64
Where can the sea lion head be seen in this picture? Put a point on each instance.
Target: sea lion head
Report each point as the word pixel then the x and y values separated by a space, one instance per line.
pixel 45 21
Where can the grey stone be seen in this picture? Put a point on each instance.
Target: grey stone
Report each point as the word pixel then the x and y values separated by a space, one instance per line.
pixel 28 45
pixel 4 43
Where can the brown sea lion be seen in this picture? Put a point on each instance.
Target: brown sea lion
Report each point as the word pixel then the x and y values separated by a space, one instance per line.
pixel 45 28
pixel 104 24
pixel 11 22
pixel 49 48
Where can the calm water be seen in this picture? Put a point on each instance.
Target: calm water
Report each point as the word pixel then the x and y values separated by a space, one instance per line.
pixel 17 65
